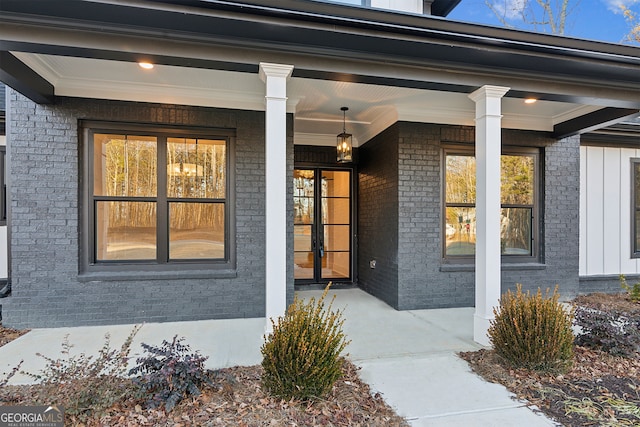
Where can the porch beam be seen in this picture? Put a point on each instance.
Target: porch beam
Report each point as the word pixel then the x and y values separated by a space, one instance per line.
pixel 275 78
pixel 15 74
pixel 488 146
pixel 595 120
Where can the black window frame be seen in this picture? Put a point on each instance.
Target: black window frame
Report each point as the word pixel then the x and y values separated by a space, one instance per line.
pixel 466 150
pixel 162 266
pixel 635 207
pixel 3 185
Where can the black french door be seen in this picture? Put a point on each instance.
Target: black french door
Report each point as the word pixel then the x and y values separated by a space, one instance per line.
pixel 322 225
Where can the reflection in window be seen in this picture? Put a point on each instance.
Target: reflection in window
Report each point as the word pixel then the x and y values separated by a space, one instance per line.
pixel 517 205
pixel 158 198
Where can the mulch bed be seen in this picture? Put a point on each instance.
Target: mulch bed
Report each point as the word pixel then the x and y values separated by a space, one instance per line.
pixel 8 334
pixel 599 390
pixel 239 401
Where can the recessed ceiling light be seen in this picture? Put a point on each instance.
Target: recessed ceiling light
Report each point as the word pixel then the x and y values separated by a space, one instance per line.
pixel 530 101
pixel 145 65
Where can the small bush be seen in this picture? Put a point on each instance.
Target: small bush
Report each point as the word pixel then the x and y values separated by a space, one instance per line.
pixel 610 331
pixel 86 385
pixel 7 377
pixel 301 357
pixel 169 372
pixel 533 331
pixel 633 291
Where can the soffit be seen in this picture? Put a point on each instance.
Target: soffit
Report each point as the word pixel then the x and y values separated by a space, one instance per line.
pixel 315 103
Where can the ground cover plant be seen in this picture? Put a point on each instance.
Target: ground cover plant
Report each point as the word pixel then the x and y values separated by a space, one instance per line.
pixel 600 388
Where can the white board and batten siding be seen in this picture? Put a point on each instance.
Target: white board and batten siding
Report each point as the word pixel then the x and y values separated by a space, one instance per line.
pixel 4 270
pixel 605 211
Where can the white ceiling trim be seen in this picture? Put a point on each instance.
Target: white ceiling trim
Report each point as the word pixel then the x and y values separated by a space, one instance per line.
pixel 575 112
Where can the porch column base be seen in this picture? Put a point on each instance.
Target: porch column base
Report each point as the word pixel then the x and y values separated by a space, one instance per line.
pixel 480 328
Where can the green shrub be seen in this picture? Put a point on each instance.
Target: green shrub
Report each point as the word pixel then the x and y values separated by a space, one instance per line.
pixel 170 372
pixel 633 291
pixel 301 357
pixel 86 385
pixel 533 331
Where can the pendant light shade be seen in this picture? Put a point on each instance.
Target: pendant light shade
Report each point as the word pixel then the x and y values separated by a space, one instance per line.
pixel 344 143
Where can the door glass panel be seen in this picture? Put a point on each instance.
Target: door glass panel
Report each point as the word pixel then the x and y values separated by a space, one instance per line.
pixel 337 237
pixel 336 265
pixel 336 210
pixel 303 196
pixel 303 216
pixel 336 184
pixel 303 265
pixel 302 238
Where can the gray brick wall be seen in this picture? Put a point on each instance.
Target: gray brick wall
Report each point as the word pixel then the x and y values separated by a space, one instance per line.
pixel 420 279
pixel 44 195
pixel 378 216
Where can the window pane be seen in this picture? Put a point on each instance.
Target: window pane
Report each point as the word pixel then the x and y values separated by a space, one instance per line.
pixel 636 181
pixel 336 211
pixel 460 231
pixel 124 165
pixel 196 168
pixel 196 230
pixel 461 179
pixel 125 231
pixel 517 178
pixel 515 231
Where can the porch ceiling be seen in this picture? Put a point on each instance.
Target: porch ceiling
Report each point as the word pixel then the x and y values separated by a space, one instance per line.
pixel 315 103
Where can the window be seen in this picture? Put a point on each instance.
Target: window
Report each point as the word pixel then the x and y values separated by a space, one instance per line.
pixel 635 207
pixel 3 185
pixel 157 196
pixel 518 205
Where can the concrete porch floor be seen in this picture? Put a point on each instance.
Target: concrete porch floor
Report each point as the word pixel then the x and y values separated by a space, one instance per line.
pixel 407 356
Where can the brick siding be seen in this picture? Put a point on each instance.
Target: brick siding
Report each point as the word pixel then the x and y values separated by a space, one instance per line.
pixel 45 170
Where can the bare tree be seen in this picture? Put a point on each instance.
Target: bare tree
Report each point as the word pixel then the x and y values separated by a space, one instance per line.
pixel 549 16
pixel 634 24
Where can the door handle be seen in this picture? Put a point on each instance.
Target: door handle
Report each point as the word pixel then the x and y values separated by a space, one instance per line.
pixel 321 252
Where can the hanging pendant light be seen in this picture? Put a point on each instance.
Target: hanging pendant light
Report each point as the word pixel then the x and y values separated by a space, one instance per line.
pixel 344 143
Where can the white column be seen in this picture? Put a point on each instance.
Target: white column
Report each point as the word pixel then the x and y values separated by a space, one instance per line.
pixel 488 145
pixel 275 77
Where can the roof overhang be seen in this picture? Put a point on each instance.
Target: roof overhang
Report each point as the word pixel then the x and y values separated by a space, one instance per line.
pixel 324 41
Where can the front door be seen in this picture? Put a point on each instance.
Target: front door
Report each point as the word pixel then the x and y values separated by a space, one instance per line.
pixel 322 225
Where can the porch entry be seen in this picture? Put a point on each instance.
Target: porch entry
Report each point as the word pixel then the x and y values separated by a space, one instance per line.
pixel 322 203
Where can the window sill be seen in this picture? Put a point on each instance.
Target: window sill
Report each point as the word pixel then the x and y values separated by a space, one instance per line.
pixel 503 267
pixel 104 276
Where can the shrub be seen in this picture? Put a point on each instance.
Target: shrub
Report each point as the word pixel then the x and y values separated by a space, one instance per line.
pixel 86 385
pixel 301 357
pixel 7 377
pixel 533 331
pixel 169 372
pixel 610 331
pixel 633 291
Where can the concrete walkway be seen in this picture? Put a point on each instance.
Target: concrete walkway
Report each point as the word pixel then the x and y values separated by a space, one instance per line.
pixel 409 357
